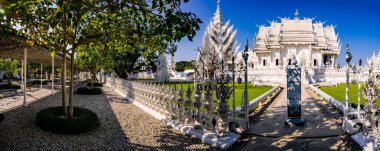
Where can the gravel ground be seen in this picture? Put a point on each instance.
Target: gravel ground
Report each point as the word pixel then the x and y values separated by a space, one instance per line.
pixel 123 127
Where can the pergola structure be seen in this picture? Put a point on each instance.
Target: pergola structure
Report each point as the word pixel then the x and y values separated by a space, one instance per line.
pixel 14 46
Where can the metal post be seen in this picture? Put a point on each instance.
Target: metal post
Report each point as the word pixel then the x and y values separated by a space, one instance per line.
pixel 114 80
pixel 41 77
pixel 52 72
pixel 25 67
pixel 348 59
pixel 233 86
pixel 359 86
pixel 246 110
pixel 22 75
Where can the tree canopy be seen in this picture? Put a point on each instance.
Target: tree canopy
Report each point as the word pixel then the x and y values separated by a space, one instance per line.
pixel 184 65
pixel 124 27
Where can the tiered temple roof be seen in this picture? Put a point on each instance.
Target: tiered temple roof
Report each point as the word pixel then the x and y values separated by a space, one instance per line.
pixel 297 32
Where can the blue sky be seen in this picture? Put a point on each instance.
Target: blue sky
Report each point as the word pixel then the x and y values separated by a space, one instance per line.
pixel 356 21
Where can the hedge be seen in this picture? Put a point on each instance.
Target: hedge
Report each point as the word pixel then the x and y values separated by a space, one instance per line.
pixel 52 119
pixel 89 91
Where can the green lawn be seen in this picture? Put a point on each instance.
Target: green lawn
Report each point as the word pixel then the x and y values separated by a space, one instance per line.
pixel 339 93
pixel 253 92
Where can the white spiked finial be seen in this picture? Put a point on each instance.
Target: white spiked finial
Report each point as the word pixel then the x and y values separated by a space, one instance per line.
pixel 218 5
pixel 296 14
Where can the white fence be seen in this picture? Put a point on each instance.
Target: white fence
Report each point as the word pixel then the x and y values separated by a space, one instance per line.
pixel 335 103
pixel 195 117
pixel 261 98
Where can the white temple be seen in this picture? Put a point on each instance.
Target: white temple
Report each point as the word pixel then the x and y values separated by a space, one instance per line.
pixel 315 46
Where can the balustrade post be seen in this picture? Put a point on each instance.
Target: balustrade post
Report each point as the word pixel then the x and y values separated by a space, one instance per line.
pixel 169 98
pixel 181 101
pixel 174 104
pixel 197 106
pixel 161 99
pixel 209 106
pixel 189 104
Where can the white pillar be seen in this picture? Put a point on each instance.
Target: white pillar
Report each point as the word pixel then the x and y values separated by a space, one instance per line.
pixel 25 67
pixel 346 108
pixel 114 80
pixel 41 76
pixel 100 76
pixel 22 75
pixel 52 72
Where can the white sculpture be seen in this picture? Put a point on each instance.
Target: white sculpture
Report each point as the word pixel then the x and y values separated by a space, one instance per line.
pixel 162 73
pixel 219 42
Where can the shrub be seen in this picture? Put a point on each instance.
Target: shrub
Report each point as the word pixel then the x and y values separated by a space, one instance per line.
pixel 89 91
pixel 52 119
pixel 95 84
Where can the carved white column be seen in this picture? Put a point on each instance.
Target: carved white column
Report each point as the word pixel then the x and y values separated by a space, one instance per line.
pixel 181 101
pixel 209 106
pixel 174 105
pixel 25 77
pixel 197 106
pixel 189 104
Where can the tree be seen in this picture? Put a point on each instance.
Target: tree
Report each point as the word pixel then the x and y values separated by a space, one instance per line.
pixel 9 66
pixel 184 65
pixel 64 26
pixel 92 58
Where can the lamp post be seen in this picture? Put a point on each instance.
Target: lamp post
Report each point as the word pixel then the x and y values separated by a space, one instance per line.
pixel 359 86
pixel 245 57
pixel 233 86
pixel 348 59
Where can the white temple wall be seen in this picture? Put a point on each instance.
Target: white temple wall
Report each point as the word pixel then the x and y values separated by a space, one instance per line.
pixel 303 55
pixel 264 57
pixel 275 55
pixel 311 74
pixel 316 54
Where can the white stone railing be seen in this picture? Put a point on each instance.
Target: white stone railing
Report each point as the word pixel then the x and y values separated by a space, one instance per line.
pixel 178 109
pixel 335 103
pixel 261 98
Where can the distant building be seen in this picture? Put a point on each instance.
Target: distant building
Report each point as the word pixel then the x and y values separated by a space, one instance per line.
pixel 315 46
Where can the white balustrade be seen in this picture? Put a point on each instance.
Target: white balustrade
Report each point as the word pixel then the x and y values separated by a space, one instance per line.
pixel 176 104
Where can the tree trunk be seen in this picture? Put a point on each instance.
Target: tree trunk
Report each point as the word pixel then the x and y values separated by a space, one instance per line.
pixel 63 84
pixel 105 79
pixel 93 77
pixel 71 95
pixel 9 79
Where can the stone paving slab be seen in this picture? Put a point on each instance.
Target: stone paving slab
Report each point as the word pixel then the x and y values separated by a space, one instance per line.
pixel 15 101
pixel 268 132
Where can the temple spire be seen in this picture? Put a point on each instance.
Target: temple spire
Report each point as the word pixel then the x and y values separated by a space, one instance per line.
pixel 296 14
pixel 218 13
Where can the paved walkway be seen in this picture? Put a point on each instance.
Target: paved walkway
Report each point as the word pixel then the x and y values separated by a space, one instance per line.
pixel 32 95
pixel 321 132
